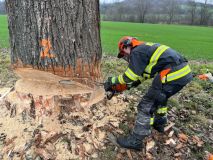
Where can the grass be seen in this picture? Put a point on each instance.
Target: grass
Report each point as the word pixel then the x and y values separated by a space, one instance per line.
pixel 192 41
pixel 4 35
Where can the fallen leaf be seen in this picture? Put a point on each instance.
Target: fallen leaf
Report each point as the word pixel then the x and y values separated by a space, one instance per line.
pixel 9 141
pixel 119 156
pixel 52 137
pixel 88 148
pixel 8 148
pixel 179 146
pixel 45 154
pixel 170 142
pixel 171 133
pixel 150 145
pixel 129 154
pixel 149 156
pixel 177 154
pixel 197 141
pixel 94 155
pixel 183 137
pixel 101 136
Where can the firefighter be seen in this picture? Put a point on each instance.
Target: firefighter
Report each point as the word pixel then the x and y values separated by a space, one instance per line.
pixel 170 73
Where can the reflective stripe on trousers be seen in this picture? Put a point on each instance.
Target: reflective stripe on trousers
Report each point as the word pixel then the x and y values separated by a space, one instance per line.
pixel 161 111
pixel 177 74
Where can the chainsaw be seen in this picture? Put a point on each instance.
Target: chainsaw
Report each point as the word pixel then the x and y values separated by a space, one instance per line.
pixel 115 89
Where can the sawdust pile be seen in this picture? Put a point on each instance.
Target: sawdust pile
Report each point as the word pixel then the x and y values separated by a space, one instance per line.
pixel 76 133
pixel 41 118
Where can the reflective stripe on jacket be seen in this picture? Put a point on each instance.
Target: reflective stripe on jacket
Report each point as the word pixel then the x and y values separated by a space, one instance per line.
pixel 150 58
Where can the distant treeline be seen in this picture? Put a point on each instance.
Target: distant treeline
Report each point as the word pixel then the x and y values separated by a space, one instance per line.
pixel 159 11
pixel 155 11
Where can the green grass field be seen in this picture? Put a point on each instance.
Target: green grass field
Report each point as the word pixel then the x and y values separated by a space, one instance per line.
pixel 193 42
pixel 4 35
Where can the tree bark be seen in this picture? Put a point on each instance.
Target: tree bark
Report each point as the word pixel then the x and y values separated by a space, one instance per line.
pixel 62 37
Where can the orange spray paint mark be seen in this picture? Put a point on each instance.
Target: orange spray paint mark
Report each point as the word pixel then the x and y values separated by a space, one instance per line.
pixel 47 47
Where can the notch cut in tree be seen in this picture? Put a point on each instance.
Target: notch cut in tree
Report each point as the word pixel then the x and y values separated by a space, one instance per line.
pixel 62 37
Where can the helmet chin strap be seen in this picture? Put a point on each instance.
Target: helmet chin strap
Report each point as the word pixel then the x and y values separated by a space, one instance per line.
pixel 126 57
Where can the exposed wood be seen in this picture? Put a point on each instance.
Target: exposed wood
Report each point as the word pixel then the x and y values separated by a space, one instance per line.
pixel 41 83
pixel 39 93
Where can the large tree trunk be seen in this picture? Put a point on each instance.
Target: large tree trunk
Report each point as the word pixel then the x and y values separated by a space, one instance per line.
pixel 62 37
pixel 58 36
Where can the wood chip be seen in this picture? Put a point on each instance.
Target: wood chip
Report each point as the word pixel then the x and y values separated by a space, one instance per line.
pixel 94 155
pixel 4 92
pixel 150 145
pixel 171 133
pixel 129 154
pixel 169 126
pixel 122 150
pixel 179 146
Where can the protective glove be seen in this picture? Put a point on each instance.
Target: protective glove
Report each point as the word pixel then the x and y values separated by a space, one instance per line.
pixel 136 83
pixel 108 84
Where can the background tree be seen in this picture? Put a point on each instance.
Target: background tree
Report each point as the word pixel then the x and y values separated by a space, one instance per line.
pixel 192 10
pixel 142 9
pixel 171 8
pixel 155 11
pixel 2 7
pixel 204 13
pixel 58 36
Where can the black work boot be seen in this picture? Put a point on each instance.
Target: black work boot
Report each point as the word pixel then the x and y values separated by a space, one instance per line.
pixel 132 141
pixel 160 123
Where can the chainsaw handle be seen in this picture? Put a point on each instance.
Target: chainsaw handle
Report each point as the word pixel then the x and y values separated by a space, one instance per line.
pixel 110 94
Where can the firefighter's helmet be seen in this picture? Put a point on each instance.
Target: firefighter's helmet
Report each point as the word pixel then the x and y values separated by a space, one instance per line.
pixel 125 42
